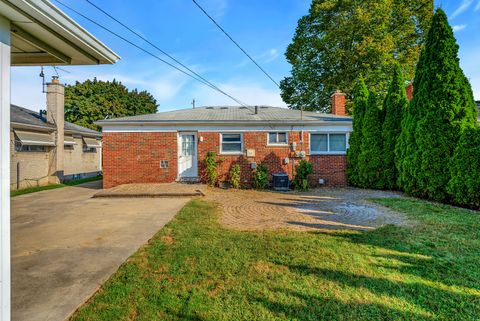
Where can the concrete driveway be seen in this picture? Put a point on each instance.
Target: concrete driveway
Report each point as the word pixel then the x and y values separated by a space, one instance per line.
pixel 65 244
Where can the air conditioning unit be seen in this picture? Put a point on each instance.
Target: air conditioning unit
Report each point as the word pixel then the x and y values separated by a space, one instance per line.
pixel 280 182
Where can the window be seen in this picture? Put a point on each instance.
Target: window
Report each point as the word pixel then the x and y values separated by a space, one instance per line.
pixel 87 149
pixel 231 144
pixel 68 147
pixel 328 143
pixel 19 147
pixel 277 138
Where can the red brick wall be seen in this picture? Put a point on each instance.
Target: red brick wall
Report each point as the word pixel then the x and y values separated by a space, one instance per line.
pixel 135 158
pixel 332 168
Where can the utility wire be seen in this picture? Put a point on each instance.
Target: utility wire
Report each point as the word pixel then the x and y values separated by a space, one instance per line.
pixel 151 54
pixel 155 46
pixel 236 43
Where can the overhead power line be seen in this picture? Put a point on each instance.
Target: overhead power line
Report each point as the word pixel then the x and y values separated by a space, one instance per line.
pixel 156 47
pixel 195 76
pixel 236 43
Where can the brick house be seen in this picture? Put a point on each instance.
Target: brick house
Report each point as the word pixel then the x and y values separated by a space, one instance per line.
pixel 171 146
pixel 45 149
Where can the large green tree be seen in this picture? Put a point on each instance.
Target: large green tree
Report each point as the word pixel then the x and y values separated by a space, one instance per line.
pixel 464 185
pixel 444 103
pixel 370 160
pixel 395 103
pixel 360 99
pixel 94 100
pixel 341 39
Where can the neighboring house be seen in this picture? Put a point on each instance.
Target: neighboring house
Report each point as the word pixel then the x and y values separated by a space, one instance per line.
pixel 478 106
pixel 45 149
pixel 171 146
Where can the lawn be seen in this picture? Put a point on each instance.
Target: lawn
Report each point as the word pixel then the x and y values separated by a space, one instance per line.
pixel 53 186
pixel 194 269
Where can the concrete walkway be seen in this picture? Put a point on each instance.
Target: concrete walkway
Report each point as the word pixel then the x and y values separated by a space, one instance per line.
pixel 65 244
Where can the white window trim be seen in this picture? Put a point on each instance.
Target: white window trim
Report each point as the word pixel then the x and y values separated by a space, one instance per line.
pixel 231 153
pixel 277 144
pixel 347 136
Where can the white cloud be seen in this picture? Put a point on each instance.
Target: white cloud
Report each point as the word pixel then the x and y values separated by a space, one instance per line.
pixel 464 5
pixel 477 7
pixel 265 57
pixel 458 27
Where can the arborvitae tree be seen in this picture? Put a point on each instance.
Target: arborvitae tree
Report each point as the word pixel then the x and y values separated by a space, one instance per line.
pixel 355 142
pixel 464 185
pixel 395 102
pixel 444 103
pixel 371 157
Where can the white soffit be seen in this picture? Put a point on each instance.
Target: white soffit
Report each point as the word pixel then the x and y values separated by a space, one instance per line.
pixel 41 34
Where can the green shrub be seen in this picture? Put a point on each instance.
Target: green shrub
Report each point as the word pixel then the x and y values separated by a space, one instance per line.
pixel 464 185
pixel 395 102
pixel 444 103
pixel 235 172
pixel 359 106
pixel 302 171
pixel 260 177
pixel 211 167
pixel 370 160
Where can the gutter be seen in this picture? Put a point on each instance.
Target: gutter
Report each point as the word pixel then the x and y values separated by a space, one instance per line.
pixel 14 125
pixel 218 122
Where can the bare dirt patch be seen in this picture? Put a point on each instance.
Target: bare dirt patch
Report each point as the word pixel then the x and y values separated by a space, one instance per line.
pixel 324 209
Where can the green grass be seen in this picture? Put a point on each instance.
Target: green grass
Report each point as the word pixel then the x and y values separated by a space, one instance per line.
pixel 194 269
pixel 53 186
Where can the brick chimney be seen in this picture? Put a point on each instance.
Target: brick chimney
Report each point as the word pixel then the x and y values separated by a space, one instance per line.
pixel 338 103
pixel 56 115
pixel 409 90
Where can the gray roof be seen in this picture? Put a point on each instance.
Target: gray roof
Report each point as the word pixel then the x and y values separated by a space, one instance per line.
pixel 24 116
pixel 219 114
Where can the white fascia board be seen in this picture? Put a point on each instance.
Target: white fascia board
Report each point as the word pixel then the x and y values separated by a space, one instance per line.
pixel 225 128
pixel 52 20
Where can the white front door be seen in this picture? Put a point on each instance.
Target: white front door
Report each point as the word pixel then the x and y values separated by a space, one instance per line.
pixel 187 155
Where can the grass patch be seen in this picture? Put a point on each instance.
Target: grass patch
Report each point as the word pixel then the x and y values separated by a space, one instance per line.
pixel 53 186
pixel 194 269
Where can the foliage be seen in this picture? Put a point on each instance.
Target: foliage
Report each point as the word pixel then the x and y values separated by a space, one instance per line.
pixel 211 168
pixel 260 177
pixel 95 100
pixel 194 269
pixel 443 104
pixel 302 171
pixel 464 185
pixel 339 40
pixel 359 106
pixel 395 102
pixel 370 160
pixel 54 186
pixel 235 173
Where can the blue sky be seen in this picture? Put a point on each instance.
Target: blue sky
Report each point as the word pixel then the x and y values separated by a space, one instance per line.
pixel 264 28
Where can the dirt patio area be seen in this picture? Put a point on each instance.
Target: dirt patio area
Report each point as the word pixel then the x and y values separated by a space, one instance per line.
pixel 318 209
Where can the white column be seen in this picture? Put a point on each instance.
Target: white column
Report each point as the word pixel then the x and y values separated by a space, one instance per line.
pixel 5 168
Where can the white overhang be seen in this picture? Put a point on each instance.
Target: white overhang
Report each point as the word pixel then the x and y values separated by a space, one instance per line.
pixel 91 142
pixel 41 34
pixel 34 138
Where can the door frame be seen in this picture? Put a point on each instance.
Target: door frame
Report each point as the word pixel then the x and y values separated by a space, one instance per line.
pixel 179 150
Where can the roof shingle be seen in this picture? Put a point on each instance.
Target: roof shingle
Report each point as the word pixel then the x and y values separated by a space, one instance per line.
pixel 230 114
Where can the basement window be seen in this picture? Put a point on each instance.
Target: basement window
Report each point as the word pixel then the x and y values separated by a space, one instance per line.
pixel 231 143
pixel 328 143
pixel 163 164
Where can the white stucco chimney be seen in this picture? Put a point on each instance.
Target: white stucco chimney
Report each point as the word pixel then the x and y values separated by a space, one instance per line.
pixel 56 115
